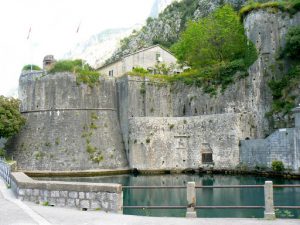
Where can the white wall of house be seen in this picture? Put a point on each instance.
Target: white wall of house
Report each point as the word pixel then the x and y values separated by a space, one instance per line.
pixel 145 58
pixel 114 69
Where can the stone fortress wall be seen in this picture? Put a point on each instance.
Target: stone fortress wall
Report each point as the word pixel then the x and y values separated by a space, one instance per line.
pixel 147 124
pixel 69 126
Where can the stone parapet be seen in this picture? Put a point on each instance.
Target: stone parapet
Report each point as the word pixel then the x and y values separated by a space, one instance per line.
pixel 85 196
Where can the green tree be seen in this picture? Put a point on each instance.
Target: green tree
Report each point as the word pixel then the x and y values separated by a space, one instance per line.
pixel 11 119
pixel 212 40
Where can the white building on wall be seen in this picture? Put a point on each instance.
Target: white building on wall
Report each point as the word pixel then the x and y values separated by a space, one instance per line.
pixel 146 58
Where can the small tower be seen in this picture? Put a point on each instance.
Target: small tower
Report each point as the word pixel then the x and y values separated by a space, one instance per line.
pixel 296 112
pixel 48 62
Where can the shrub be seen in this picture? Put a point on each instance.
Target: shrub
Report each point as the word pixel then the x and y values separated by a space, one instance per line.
pixel 139 71
pixel 66 66
pixel 282 100
pixel 87 77
pixel 283 88
pixel 84 72
pixel 292 48
pixel 277 166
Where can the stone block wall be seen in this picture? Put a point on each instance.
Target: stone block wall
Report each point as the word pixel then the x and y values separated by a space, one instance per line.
pixel 84 196
pixel 178 143
pixel 282 145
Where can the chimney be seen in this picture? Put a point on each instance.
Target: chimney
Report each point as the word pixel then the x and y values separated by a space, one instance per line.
pixel 48 62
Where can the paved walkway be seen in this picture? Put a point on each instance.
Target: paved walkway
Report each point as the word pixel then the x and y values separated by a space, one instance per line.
pixel 15 212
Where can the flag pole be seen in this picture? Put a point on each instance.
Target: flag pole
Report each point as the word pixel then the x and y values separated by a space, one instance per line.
pixel 30 45
pixel 77 32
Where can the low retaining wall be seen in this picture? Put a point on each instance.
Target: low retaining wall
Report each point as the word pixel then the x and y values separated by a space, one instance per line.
pixel 85 196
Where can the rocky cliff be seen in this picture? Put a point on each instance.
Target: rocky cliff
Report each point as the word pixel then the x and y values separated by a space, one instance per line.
pixel 99 47
pixel 165 29
pixel 159 6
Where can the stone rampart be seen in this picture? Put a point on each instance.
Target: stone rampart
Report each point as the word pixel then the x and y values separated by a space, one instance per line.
pixel 85 196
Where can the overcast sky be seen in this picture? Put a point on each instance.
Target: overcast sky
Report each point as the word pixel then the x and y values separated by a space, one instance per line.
pixel 53 29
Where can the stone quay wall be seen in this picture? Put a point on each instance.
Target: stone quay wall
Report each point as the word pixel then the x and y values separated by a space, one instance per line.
pixel 84 196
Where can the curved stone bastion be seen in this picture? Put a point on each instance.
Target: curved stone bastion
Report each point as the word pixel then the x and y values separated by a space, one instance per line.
pixel 69 126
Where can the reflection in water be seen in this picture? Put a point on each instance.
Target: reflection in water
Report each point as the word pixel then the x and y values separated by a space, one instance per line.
pixel 205 197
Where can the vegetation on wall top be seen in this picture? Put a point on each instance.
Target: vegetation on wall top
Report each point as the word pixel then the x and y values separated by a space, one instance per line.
pixel 290 6
pixel 84 72
pixel 31 67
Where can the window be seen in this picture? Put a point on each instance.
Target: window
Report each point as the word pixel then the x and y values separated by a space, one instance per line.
pixel 111 73
pixel 158 58
pixel 207 158
pixel 206 154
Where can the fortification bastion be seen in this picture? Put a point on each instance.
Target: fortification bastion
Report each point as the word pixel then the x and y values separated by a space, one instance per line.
pixel 69 126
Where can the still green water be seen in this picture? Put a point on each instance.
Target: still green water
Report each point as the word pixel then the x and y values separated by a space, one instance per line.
pixel 205 197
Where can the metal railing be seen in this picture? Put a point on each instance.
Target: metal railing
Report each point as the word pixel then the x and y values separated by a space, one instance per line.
pixel 269 207
pixel 5 171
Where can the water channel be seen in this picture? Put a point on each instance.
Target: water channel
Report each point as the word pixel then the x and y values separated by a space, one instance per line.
pixel 205 197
